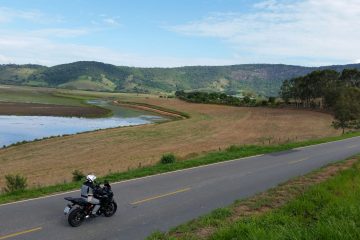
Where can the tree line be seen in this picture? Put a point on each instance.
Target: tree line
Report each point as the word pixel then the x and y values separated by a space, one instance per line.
pixel 330 90
pixel 214 98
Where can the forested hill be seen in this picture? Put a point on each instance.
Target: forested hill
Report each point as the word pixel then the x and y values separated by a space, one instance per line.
pixel 264 79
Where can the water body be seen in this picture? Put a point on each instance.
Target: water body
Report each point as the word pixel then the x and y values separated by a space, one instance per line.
pixel 15 129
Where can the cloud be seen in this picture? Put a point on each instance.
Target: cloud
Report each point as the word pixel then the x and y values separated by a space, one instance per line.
pixel 22 49
pixel 104 19
pixel 46 46
pixel 309 32
pixel 61 32
pixel 111 21
pixel 8 15
pixel 5 59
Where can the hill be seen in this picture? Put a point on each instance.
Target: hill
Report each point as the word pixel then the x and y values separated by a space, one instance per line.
pixel 264 79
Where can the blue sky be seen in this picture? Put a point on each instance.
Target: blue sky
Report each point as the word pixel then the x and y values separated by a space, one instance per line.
pixel 178 33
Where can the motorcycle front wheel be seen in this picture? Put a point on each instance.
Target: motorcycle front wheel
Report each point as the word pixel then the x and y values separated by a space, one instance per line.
pixel 110 209
pixel 76 217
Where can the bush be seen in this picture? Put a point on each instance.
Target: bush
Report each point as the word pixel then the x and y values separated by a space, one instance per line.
pixel 77 175
pixel 272 100
pixel 168 158
pixel 233 148
pixel 15 183
pixel 264 103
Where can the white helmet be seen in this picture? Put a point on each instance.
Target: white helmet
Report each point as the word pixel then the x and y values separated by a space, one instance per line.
pixel 90 178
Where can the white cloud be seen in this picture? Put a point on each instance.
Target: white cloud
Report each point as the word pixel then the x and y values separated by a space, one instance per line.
pixel 5 59
pixel 9 15
pixel 111 21
pixel 42 46
pixel 104 19
pixel 22 49
pixel 311 32
pixel 61 32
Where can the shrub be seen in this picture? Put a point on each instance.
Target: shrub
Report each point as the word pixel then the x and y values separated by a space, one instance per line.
pixel 264 103
pixel 15 183
pixel 233 148
pixel 77 175
pixel 272 100
pixel 167 158
pixel 246 99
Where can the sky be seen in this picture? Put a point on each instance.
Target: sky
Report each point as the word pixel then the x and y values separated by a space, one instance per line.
pixel 169 33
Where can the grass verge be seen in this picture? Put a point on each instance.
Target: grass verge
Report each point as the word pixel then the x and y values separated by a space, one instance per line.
pixel 321 205
pixel 232 152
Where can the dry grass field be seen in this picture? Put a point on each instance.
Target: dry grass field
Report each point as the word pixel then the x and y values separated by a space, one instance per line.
pixel 209 128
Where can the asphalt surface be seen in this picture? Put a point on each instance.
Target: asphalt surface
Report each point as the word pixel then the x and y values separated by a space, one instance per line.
pixel 164 201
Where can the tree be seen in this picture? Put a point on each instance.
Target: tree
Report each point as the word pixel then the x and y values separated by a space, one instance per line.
pixel 350 77
pixel 321 82
pixel 286 91
pixel 310 87
pixel 347 109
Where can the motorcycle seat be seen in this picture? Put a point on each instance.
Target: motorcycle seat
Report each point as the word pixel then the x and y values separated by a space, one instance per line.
pixel 80 201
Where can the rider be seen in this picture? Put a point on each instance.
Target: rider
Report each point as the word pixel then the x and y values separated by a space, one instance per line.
pixel 88 190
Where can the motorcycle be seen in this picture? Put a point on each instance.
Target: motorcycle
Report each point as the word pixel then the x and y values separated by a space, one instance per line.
pixel 79 209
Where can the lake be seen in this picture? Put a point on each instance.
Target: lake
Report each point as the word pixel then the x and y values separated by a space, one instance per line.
pixel 15 129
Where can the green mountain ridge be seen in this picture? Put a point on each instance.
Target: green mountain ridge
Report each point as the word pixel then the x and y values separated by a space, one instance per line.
pixel 263 79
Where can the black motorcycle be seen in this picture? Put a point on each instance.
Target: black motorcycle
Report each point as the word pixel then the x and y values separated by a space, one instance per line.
pixel 79 209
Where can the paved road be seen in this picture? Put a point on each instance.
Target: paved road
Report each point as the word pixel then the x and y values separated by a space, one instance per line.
pixel 163 201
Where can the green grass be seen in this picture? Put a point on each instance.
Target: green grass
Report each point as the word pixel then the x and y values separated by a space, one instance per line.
pixel 329 210
pixel 87 84
pixel 48 96
pixel 232 152
pixel 36 95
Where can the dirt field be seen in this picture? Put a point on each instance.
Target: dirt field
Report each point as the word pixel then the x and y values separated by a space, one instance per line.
pixel 36 109
pixel 210 127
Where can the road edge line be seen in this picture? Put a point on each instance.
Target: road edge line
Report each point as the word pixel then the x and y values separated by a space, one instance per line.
pixel 318 144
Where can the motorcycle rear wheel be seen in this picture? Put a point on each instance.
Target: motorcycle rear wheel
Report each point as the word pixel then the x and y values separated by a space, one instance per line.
pixel 76 217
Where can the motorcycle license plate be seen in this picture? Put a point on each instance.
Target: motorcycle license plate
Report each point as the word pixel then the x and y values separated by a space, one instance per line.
pixel 66 210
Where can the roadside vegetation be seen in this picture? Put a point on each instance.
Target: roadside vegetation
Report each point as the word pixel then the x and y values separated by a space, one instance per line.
pixel 78 175
pixel 320 205
pixel 168 158
pixel 170 164
pixel 15 183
